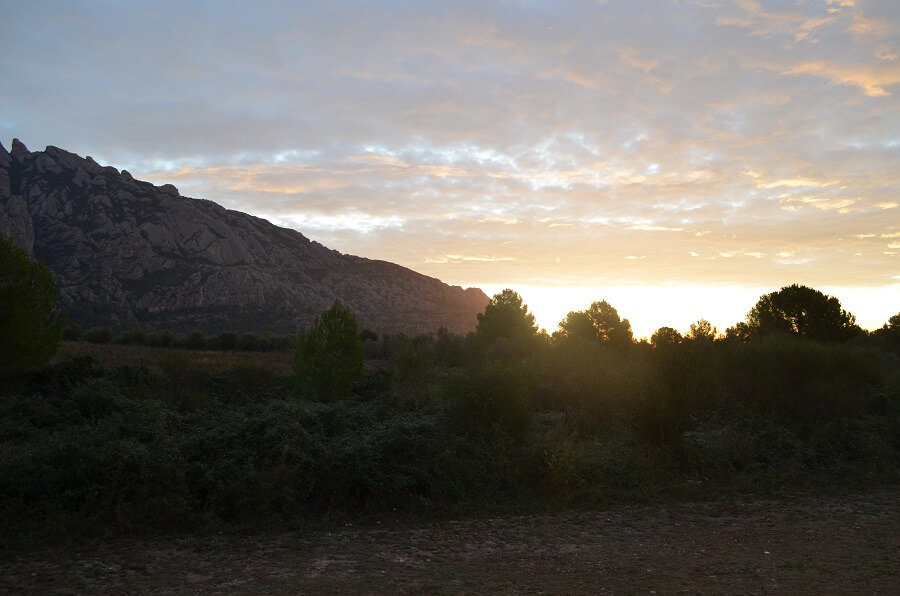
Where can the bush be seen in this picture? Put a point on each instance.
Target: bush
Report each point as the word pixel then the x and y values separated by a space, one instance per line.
pixel 497 398
pixel 132 337
pixel 796 381
pixel 162 339
pixel 195 341
pixel 227 341
pixel 248 342
pixel 71 333
pixel 91 459
pixel 98 335
pixel 87 448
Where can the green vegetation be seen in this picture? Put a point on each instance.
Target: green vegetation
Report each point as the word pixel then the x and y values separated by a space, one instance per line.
pixel 29 324
pixel 329 360
pixel 506 417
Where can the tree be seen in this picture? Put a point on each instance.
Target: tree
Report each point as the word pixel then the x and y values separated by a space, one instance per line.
pixel 739 332
pixel 329 360
pixel 578 323
pixel 665 337
pixel 30 326
pixel 802 311
pixel 600 322
pixel 702 330
pixel 889 334
pixel 505 316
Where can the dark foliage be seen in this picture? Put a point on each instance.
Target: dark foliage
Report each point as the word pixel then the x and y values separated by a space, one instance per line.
pixel 804 312
pixel 30 327
pixel 600 322
pixel 329 360
pixel 439 424
pixel 505 317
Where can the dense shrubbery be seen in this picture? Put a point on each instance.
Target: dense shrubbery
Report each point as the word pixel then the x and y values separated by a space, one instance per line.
pixel 441 422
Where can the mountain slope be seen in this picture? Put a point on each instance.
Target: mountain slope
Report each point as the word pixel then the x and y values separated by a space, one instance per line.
pixel 127 252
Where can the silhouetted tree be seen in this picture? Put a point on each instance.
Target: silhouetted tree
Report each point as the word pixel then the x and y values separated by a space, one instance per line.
pixel 600 322
pixel 665 337
pixel 578 324
pixel 30 327
pixel 505 316
pixel 702 330
pixel 889 334
pixel 329 360
pixel 740 331
pixel 802 311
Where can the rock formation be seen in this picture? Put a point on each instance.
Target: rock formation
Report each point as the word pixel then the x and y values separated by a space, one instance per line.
pixel 126 252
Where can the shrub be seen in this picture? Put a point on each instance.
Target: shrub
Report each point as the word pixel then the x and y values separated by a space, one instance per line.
pixel 796 381
pixel 133 337
pixel 497 398
pixel 227 341
pixel 98 335
pixel 248 342
pixel 71 333
pixel 195 341
pixel 162 339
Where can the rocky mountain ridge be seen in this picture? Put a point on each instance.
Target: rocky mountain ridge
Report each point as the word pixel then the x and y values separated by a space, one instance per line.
pixel 126 252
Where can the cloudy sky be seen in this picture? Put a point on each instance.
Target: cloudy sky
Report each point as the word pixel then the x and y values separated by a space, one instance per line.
pixel 675 157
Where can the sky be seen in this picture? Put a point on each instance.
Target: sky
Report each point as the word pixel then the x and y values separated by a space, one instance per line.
pixel 677 158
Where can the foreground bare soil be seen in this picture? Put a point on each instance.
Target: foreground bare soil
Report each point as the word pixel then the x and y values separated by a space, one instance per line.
pixel 808 544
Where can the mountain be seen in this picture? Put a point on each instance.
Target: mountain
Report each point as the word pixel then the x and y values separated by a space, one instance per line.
pixel 125 252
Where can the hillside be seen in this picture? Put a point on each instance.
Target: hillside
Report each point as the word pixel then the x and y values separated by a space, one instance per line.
pixel 125 252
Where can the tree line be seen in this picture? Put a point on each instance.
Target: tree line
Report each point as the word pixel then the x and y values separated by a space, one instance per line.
pixel 31 327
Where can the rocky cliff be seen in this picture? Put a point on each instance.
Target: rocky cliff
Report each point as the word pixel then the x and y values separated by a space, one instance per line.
pixel 126 252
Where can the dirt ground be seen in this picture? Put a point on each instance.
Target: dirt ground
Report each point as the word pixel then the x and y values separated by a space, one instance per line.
pixel 801 545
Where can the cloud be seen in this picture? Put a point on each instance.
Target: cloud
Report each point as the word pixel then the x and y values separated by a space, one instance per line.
pixel 872 80
pixel 798 183
pixel 649 228
pixel 497 142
